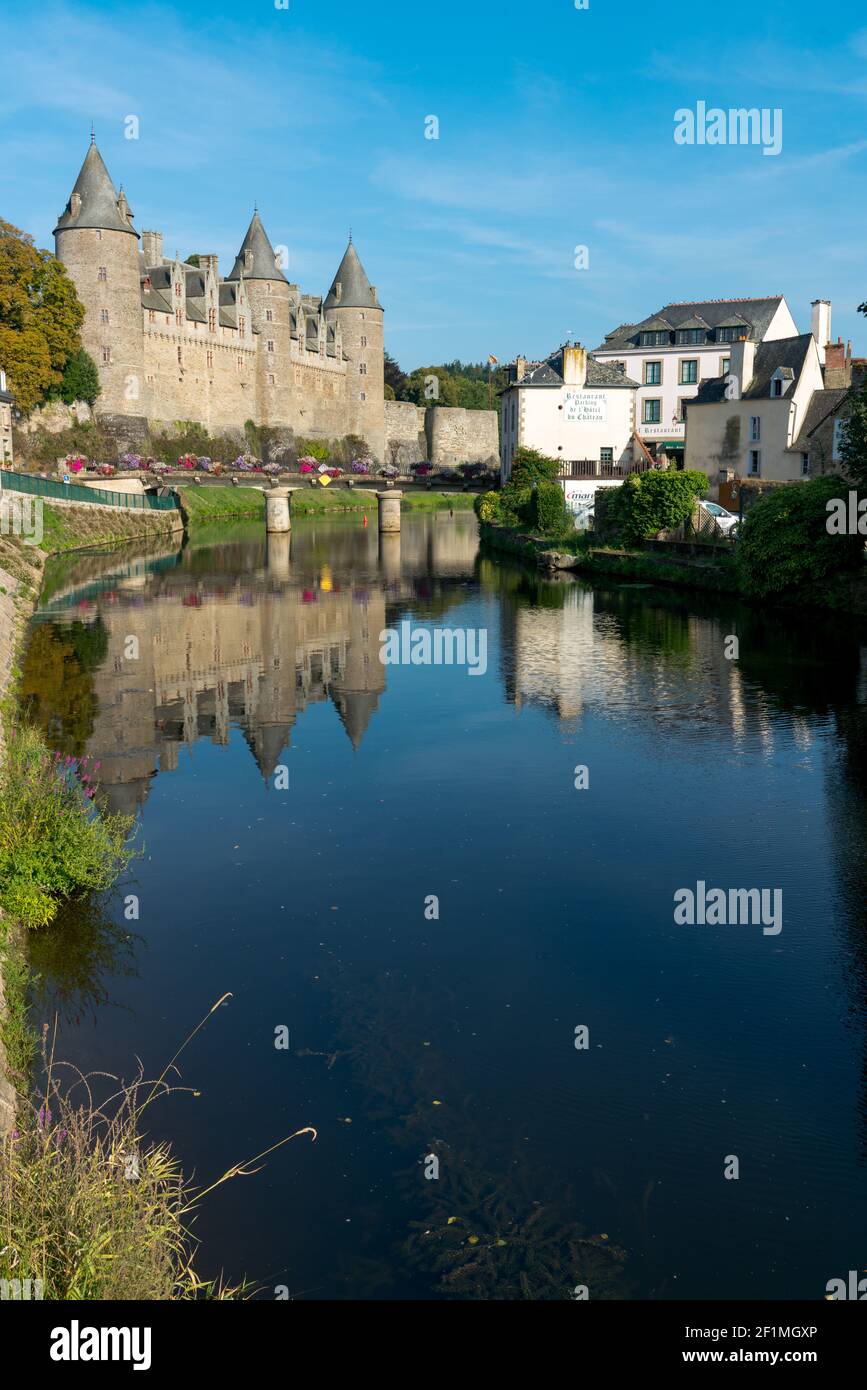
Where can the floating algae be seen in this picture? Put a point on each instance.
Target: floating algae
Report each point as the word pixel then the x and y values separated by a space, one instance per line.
pixel 488 1228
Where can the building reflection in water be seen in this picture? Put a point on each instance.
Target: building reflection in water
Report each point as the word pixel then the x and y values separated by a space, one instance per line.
pixel 250 639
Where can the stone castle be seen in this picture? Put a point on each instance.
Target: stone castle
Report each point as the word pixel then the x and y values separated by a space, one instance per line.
pixel 179 342
pixel 174 341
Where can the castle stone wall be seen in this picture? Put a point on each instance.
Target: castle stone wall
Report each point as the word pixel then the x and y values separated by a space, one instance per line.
pixel 405 441
pixel 455 435
pixel 104 267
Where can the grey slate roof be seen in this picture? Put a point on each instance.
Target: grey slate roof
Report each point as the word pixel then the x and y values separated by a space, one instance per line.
pixel 782 352
pixel 356 291
pixel 550 373
pixel 98 206
pixel 152 299
pixel 719 313
pixel 822 404
pixel 262 260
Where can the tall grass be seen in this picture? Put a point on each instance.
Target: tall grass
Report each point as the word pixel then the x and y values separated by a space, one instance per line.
pixel 90 1206
pixel 54 842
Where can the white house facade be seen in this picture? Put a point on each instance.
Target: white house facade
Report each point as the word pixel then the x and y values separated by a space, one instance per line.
pixel 570 407
pixel 748 423
pixel 670 353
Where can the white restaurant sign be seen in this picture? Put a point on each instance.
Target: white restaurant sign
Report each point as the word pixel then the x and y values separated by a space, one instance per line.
pixel 586 407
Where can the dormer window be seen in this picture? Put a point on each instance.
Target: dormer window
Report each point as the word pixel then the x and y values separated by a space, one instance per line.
pixel 655 339
pixel 729 334
pixel 690 337
pixel 781 381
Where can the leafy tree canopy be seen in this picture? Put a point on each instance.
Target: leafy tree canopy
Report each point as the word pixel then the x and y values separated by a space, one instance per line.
pixel 40 317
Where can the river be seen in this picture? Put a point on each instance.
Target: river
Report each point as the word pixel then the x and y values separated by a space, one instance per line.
pixel 417 883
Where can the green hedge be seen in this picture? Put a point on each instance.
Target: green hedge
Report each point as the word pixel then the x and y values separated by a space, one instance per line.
pixel 784 540
pixel 647 503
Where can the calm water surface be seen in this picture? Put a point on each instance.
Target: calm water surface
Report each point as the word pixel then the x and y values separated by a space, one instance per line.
pixel 456 1036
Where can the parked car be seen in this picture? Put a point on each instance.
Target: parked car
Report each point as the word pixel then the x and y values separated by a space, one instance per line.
pixel 725 520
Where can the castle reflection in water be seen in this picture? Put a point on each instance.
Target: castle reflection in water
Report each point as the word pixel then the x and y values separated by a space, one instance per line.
pixel 246 635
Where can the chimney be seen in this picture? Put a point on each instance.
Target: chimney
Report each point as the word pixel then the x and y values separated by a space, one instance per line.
pixel 820 325
pixel 838 364
pixel 742 362
pixel 574 365
pixel 152 248
pixel 520 367
pixel 209 263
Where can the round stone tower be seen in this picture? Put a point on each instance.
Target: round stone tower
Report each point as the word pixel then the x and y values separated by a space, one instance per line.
pixel 269 298
pixel 352 303
pixel 98 244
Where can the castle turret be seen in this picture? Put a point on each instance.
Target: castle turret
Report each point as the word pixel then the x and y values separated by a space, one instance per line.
pixel 352 304
pixel 267 288
pixel 97 242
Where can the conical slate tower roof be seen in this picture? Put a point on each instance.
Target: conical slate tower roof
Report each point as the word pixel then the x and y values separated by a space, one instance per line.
pixel 355 708
pixel 263 262
pixel 93 201
pixel 355 290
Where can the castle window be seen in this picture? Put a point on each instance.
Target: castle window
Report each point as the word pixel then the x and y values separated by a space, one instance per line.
pixel 106 356
pixel 152 318
pixel 240 364
pixel 270 345
pixel 364 342
pixel 362 396
pixel 103 316
pixel 103 273
pixel 180 358
pixel 212 320
pixel 99 234
pixel 242 325
pixel 179 317
pixel 362 369
pixel 269 317
pixel 210 359
pixel 178 290
pixel 270 379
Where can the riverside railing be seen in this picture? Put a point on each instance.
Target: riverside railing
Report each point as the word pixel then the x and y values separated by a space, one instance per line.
pixel 75 492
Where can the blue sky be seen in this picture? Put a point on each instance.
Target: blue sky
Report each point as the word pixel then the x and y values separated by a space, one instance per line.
pixel 555 130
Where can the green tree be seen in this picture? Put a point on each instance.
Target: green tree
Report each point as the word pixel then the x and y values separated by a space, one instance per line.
pixel 785 541
pixel 80 381
pixel 853 445
pixel 40 317
pixel 394 378
pixel 646 503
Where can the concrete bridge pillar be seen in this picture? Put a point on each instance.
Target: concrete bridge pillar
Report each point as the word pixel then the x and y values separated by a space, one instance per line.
pixel 389 511
pixel 279 554
pixel 278 518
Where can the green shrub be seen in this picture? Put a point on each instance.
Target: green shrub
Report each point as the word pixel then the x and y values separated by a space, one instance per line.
pixel 784 539
pixel 53 841
pixel 646 503
pixel 487 506
pixel 546 510
pixel 529 466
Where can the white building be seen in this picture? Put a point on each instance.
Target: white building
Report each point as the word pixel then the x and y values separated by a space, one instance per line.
pixel 670 353
pixel 756 421
pixel 570 407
